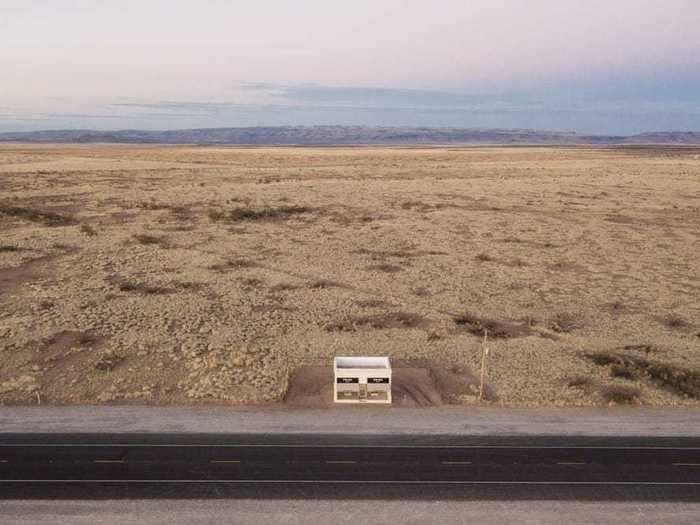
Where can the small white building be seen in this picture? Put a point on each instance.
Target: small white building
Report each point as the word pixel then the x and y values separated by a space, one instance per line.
pixel 362 380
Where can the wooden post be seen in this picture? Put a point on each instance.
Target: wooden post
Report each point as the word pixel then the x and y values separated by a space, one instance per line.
pixel 484 353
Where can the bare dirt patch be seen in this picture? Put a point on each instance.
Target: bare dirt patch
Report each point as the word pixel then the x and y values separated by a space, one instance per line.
pixel 12 278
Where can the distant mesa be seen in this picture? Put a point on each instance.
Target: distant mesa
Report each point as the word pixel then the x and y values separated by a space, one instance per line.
pixel 348 135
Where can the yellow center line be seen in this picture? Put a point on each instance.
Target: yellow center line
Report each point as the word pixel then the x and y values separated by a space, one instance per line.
pixel 686 464
pixel 225 461
pixel 456 462
pixel 109 461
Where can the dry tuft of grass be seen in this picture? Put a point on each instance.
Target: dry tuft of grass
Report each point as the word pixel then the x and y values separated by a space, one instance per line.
pixel 676 322
pixel 321 284
pixel 484 257
pixel 385 268
pixel 284 287
pixel 401 254
pixel 151 205
pixel 646 348
pixel 423 207
pixel 191 286
pixel 623 372
pixel 421 291
pixel 88 338
pixel 616 307
pixel 251 282
pixel 379 322
pixel 620 394
pixel 108 361
pixel 497 329
pixel 9 248
pixel 604 358
pixel 579 381
pixel 564 323
pixel 434 336
pixel 148 239
pixel 125 285
pixel 47 218
pixel 372 303
pixel 234 264
pixel 88 230
pixel 267 213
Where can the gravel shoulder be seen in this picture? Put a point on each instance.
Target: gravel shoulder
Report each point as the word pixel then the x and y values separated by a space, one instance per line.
pixel 353 420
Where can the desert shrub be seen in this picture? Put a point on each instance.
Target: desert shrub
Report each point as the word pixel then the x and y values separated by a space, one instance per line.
pixel 148 239
pixel 108 361
pixel 434 336
pixel 371 303
pixel 252 282
pixel 623 371
pixel 88 230
pixel 47 218
pixel 267 213
pixel 284 287
pixel 646 348
pixel 484 257
pixel 497 329
pixel 677 379
pixel 620 394
pixel 421 292
pixel 126 285
pixel 579 381
pixel 676 322
pixel 88 338
pixel 564 322
pixel 604 358
pixel 616 307
pixel 234 264
pixel 190 286
pixel 385 268
pixel 151 205
pixel 518 263
pixel 325 283
pixel 10 248
pixel 378 322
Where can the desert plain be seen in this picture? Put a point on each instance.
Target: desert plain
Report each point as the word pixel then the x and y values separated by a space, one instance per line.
pixel 231 275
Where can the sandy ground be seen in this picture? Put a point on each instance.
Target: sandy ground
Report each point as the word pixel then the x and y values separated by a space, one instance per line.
pixel 182 275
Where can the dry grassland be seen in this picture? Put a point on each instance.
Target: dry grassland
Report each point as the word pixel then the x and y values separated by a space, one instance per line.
pixel 188 274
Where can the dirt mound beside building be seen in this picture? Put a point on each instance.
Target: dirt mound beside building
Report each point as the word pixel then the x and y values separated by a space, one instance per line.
pixel 415 383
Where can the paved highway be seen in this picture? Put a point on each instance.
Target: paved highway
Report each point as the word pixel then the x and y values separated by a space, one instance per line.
pixel 32 461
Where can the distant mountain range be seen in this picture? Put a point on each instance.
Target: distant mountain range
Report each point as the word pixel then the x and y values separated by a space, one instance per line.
pixel 348 135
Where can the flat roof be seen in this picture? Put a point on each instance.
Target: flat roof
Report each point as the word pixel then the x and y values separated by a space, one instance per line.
pixel 362 362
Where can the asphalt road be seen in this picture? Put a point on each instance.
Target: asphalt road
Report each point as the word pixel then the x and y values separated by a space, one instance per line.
pixel 632 466
pixel 32 465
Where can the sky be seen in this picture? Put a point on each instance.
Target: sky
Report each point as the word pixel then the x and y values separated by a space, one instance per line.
pixel 605 67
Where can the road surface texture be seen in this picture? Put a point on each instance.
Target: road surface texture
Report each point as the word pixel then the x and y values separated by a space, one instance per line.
pixel 155 465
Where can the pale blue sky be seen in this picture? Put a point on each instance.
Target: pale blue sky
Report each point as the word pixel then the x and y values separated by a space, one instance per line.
pixel 597 66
